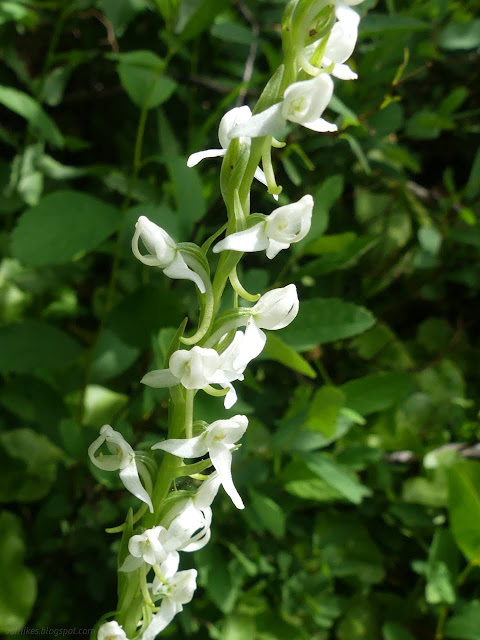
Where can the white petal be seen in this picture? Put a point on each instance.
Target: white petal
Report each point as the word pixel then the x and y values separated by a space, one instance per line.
pixel 230 120
pixel 321 125
pixel 169 567
pixel 184 448
pixel 221 457
pixel 183 586
pixel 277 308
pixel 178 270
pixel 160 620
pixel 231 396
pixel 343 72
pixel 253 344
pixel 111 630
pixel 107 463
pixel 207 491
pixel 129 477
pixel 253 239
pixel 274 248
pixel 160 378
pixel 131 564
pixel 197 157
pixel 265 123
pixel 199 544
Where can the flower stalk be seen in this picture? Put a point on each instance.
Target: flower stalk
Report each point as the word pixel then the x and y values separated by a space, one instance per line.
pixel 318 36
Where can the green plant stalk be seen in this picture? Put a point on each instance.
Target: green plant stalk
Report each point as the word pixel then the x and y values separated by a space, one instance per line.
pixel 238 170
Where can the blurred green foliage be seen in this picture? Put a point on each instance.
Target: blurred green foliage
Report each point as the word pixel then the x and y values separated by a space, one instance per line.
pixel 360 469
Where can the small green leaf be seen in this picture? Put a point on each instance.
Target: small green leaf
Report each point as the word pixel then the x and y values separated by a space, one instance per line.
pixel 322 320
pixel 465 625
pixel 464 507
pixel 324 410
pixel 337 476
pixel 278 350
pixel 18 587
pixel 28 108
pixel 141 76
pixel 35 345
pixel 270 514
pixel 64 225
pixel 377 391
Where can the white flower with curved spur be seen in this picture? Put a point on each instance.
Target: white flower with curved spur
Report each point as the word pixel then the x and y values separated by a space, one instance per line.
pixel 274 310
pixel 217 440
pixel 303 102
pixel 154 547
pixel 122 458
pixel 175 593
pixel 111 631
pixel 342 41
pixel 277 308
pixel 162 252
pixel 283 227
pixel 193 369
pixel 230 120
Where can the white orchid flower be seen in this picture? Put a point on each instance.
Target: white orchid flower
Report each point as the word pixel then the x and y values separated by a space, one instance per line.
pixel 274 310
pixel 303 102
pixel 162 252
pixel 283 227
pixel 217 440
pixel 193 369
pixel 122 457
pixel 111 631
pixel 153 547
pixel 177 592
pixel 230 120
pixel 233 118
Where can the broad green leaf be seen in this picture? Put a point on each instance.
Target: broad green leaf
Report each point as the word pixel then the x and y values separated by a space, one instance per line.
pixel 395 631
pixel 35 345
pixel 464 507
pixel 111 357
pixel 239 627
pixel 377 391
pixel 431 493
pixel 322 320
pixel 29 464
pixel 442 568
pixel 278 350
pixel 341 479
pixel 63 226
pixel 269 513
pixel 300 481
pixel 324 410
pixel 460 35
pixel 23 104
pixel 379 24
pixel 102 405
pixel 18 587
pixel 139 315
pixel 191 205
pixel 195 16
pixel 465 625
pixel 232 32
pixel 141 76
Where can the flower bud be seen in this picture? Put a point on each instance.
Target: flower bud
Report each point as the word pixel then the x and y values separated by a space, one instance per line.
pixel 277 308
pixel 160 246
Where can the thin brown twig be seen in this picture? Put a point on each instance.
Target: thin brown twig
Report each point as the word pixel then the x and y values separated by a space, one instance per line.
pixel 111 39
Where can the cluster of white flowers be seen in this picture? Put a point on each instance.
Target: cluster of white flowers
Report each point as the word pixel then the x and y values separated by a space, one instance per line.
pixel 229 341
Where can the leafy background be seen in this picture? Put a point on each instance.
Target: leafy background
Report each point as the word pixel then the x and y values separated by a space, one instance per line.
pixel 360 468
